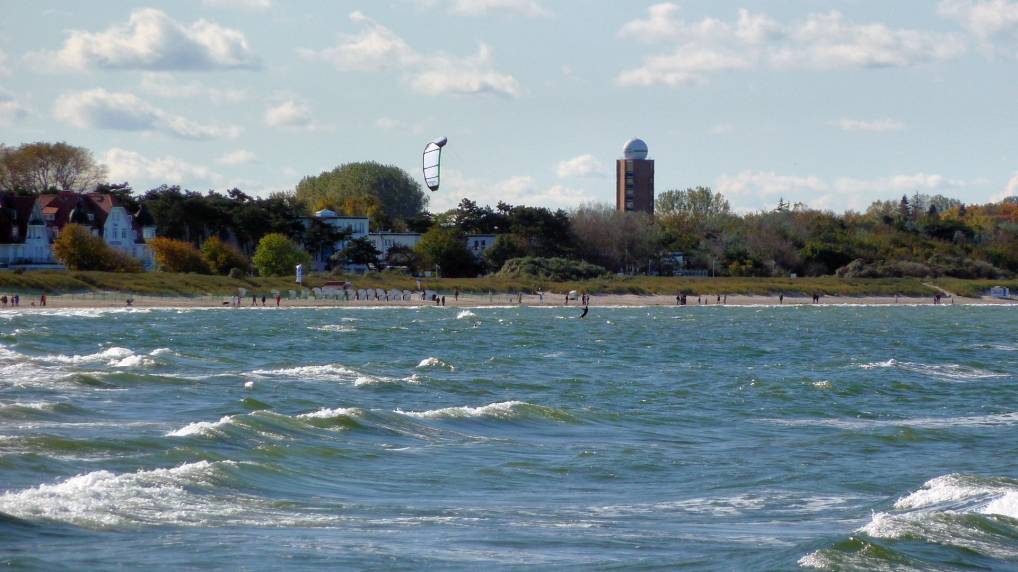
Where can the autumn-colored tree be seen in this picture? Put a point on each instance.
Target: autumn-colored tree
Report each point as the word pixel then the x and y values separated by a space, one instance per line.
pixel 41 167
pixel 221 256
pixel 177 256
pixel 277 255
pixel 78 249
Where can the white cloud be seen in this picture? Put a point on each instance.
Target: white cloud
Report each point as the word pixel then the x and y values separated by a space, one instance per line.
pixel 291 114
pixel 582 166
pixel 819 41
pixel 101 109
pixel 761 189
pixel 377 48
pixel 1011 190
pixel 990 21
pixel 11 110
pixel 238 157
pixel 131 166
pixel 872 126
pixel 165 84
pixel 151 40
pixel 529 8
pixel 249 5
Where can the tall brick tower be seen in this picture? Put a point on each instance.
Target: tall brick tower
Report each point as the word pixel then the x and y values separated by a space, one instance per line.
pixel 634 174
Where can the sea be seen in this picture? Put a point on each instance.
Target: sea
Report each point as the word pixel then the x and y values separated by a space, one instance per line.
pixel 502 438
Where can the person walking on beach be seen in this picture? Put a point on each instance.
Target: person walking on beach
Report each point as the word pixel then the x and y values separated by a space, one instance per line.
pixel 781 298
pixel 263 300
pixel 278 299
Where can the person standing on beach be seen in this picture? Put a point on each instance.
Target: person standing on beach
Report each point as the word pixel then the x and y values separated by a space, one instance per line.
pixel 781 298
pixel 42 300
pixel 278 299
pixel 456 294
pixel 263 300
pixel 443 300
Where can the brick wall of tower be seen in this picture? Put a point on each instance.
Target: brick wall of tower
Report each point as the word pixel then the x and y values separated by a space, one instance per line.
pixel 634 185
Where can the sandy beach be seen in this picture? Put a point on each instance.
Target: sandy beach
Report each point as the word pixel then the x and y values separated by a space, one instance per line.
pixel 114 300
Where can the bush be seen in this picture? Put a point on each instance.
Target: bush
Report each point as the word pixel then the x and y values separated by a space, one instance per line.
pixel 222 257
pixel 553 269
pixel 447 249
pixel 236 273
pixel 178 256
pixel 78 249
pixel 277 255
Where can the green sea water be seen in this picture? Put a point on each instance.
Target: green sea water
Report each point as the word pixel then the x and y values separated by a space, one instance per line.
pixel 700 438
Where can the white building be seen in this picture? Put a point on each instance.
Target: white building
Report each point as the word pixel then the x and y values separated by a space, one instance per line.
pixel 383 241
pixel 478 243
pixel 29 225
pixel 356 225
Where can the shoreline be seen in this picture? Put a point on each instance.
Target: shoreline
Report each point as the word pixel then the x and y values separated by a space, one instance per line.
pixel 475 301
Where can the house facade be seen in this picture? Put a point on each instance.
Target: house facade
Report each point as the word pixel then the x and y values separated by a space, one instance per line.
pixel 29 225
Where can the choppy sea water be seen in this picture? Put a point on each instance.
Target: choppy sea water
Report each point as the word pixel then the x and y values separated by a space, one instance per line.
pixel 721 438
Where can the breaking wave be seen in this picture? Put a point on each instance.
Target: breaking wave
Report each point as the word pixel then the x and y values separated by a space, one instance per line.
pixel 433 362
pixel 964 512
pixel 501 410
pixel 950 371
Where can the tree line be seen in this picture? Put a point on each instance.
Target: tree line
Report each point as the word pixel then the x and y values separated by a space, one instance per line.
pixel 917 236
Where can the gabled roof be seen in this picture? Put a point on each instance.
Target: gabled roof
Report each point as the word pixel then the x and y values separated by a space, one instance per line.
pixel 15 212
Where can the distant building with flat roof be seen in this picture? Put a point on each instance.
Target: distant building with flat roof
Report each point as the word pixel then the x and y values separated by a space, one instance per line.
pixel 634 174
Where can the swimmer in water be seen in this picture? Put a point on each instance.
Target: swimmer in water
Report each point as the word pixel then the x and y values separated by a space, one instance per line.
pixel 585 310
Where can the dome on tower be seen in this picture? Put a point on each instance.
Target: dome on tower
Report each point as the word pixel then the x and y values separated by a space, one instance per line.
pixel 635 149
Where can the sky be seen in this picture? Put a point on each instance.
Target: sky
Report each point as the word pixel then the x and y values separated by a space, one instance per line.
pixel 833 104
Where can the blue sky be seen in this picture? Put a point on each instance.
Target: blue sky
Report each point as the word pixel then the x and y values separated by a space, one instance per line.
pixel 833 104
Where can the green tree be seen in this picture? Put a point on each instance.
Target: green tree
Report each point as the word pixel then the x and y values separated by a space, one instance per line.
pixel 446 248
pixel 506 247
pixel 222 257
pixel 78 249
pixel 384 193
pixel 174 255
pixel 277 255
pixel 360 251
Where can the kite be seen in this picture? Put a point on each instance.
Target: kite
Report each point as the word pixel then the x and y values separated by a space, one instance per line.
pixel 433 161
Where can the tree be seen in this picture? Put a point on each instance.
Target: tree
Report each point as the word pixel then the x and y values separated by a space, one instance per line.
pixel 697 203
pixel 174 255
pixel 277 255
pixel 382 192
pixel 402 255
pixel 41 167
pixel 506 247
pixel 321 237
pixel 618 240
pixel 446 248
pixel 78 249
pixel 223 257
pixel 360 251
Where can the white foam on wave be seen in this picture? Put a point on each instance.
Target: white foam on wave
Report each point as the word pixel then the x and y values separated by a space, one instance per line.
pixel 327 372
pixel 936 513
pixel 435 362
pixel 994 420
pixel 500 410
pixel 951 371
pixel 334 328
pixel 465 314
pixel 326 413
pixel 102 498
pixel 113 357
pixel 203 428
